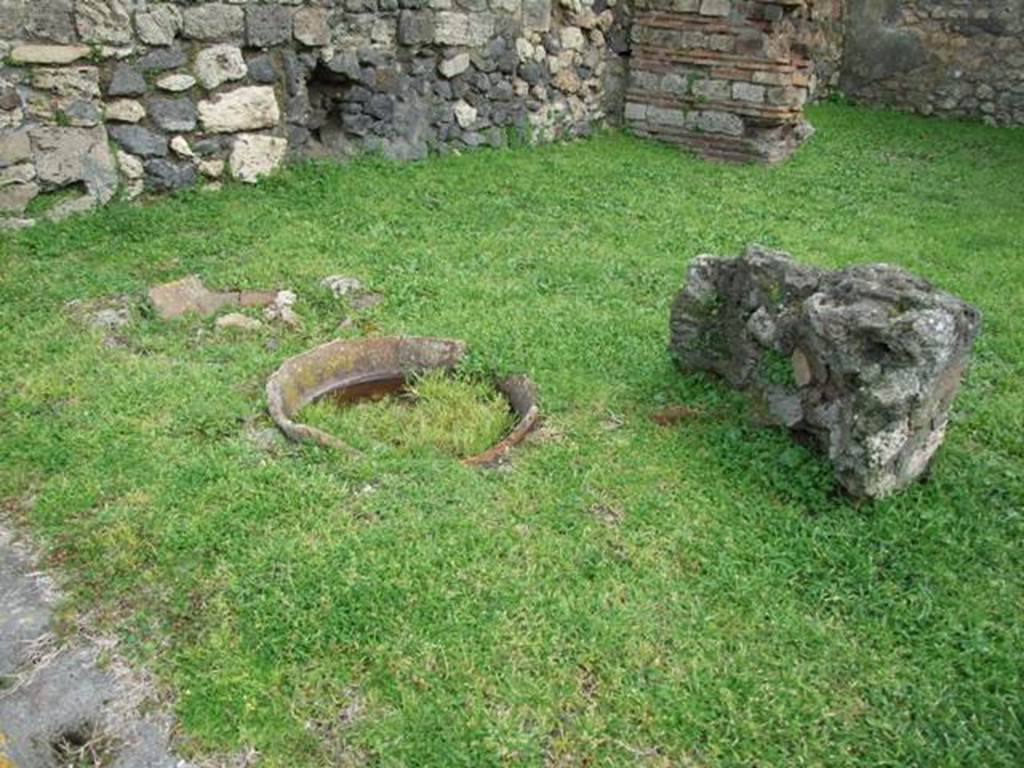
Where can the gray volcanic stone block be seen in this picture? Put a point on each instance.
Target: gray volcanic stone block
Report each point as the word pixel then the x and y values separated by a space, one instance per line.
pixel 162 58
pixel 126 81
pixel 51 20
pixel 267 25
pixel 865 361
pixel 159 24
pixel 174 115
pixel 139 141
pixel 65 156
pixel 214 21
pixel 103 21
pixel 164 176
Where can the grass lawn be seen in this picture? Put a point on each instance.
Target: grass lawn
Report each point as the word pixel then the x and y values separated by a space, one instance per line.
pixel 625 593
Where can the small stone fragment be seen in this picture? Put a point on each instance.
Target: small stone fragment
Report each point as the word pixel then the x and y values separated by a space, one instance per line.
pixel 456 65
pixel 131 167
pixel 340 285
pixel 14 148
pixel 267 25
pixel 220 64
pixel 465 114
pixel 281 309
pixel 367 300
pixel 48 54
pixel 190 295
pixel 311 27
pixel 212 168
pixel 139 140
pixel 124 111
pixel 175 83
pixel 244 109
pixel 180 147
pixel 239 321
pixel 126 81
pixel 172 115
pixel 103 21
pixel 213 21
pixel 14 198
pixel 159 24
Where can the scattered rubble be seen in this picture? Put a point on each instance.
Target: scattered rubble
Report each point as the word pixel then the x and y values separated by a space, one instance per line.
pixel 341 285
pixel 281 309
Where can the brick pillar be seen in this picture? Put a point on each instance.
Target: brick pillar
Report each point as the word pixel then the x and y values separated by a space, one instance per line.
pixel 725 79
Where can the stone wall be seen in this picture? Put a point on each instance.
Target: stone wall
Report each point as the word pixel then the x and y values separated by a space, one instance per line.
pixel 955 58
pixel 820 41
pixel 101 97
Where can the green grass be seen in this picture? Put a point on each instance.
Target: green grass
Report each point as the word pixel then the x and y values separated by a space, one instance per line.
pixel 626 593
pixel 456 415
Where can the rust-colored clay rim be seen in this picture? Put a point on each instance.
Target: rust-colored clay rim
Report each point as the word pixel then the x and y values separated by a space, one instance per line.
pixel 354 369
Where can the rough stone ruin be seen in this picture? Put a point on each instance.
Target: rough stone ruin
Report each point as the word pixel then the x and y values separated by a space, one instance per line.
pixel 728 80
pixel 863 362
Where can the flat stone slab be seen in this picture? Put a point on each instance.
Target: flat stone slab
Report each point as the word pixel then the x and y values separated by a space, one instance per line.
pixel 48 54
pixel 864 361
pixel 56 699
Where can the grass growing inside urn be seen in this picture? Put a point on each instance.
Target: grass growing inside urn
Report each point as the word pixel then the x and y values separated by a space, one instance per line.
pixel 625 593
pixel 455 415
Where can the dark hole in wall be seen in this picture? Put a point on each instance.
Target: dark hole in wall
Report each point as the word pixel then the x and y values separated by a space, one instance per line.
pixel 332 115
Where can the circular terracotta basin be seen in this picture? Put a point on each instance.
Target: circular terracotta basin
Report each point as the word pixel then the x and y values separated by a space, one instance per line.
pixel 350 370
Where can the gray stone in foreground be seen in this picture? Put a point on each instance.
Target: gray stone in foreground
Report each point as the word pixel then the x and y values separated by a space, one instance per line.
pixel 214 21
pixel 865 361
pixel 57 690
pixel 267 25
pixel 174 115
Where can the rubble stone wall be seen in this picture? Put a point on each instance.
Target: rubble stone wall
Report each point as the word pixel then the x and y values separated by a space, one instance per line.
pixel 108 98
pixel 954 58
pixel 101 97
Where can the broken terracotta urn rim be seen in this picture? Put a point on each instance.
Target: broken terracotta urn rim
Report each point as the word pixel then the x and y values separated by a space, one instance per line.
pixel 349 369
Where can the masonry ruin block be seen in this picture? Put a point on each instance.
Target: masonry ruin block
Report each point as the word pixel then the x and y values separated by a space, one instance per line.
pixel 725 79
pixel 862 362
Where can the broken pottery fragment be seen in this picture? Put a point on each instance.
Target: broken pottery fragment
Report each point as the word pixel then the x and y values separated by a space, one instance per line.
pixel 864 360
pixel 188 294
